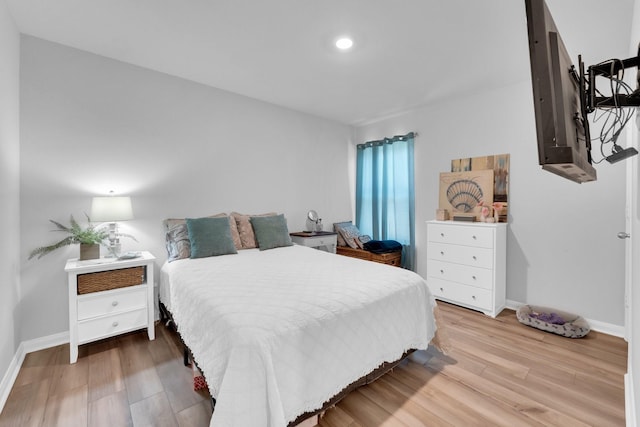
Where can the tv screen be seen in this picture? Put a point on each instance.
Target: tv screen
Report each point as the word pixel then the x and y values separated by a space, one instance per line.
pixel 564 146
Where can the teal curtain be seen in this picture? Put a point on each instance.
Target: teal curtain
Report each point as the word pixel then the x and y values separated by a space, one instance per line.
pixel 385 195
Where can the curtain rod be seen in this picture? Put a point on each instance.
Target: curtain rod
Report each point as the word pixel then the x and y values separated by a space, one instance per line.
pixel 391 139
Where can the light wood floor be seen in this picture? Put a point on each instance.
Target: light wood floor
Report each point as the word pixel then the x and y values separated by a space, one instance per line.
pixel 497 373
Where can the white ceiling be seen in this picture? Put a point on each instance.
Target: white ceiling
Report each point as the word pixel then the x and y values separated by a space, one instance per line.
pixel 407 53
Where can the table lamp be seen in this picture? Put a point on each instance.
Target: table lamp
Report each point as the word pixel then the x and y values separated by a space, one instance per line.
pixel 112 209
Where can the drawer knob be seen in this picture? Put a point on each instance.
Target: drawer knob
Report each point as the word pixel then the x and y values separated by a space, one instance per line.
pixel 473 297
pixel 441 234
pixel 114 303
pixel 114 324
pixel 474 237
pixel 473 277
pixel 441 271
pixel 441 289
pixel 474 258
pixel 442 253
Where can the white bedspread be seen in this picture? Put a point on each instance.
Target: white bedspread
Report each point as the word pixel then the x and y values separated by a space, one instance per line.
pixel 279 332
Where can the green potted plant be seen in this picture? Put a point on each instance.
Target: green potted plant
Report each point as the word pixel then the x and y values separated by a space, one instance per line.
pixel 90 238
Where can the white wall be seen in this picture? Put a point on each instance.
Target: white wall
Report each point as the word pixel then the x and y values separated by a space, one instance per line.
pixel 9 186
pixel 90 124
pixel 562 246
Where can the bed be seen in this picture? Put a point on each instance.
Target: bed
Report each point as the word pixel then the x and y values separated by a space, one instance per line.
pixel 279 333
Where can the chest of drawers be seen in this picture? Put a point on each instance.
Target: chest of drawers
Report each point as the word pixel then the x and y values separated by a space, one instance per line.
pixel 466 264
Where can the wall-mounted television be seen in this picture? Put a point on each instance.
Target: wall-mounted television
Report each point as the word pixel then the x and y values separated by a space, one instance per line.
pixel 564 141
pixel 563 96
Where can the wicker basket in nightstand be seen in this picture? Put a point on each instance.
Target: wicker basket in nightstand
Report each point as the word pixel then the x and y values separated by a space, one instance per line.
pixel 111 279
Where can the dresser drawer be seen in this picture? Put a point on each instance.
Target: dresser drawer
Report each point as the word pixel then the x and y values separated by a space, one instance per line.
pixel 102 327
pixel 467 255
pixel 460 294
pixel 461 235
pixel 472 276
pixel 108 302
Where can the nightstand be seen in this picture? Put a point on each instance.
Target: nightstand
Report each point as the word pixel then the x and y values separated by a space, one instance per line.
pixel 324 240
pixel 109 297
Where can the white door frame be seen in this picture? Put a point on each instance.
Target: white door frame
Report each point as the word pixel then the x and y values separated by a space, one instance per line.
pixel 632 274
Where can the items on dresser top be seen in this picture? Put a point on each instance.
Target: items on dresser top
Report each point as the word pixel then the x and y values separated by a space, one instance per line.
pixel 466 264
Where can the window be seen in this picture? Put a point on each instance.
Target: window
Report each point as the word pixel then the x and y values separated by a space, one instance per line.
pixel 385 192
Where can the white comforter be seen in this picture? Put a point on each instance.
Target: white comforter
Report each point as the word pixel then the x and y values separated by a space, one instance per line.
pixel 279 332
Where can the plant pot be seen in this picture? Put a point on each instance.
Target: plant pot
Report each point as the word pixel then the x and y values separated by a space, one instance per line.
pixel 89 251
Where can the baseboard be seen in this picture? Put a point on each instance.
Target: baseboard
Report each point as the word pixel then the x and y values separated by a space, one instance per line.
pixel 629 401
pixel 11 375
pixel 45 342
pixel 24 348
pixel 596 325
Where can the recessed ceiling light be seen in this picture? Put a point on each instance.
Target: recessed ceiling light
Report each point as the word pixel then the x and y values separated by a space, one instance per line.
pixel 344 43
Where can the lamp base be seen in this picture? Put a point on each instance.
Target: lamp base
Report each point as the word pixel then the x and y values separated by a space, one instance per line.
pixel 113 250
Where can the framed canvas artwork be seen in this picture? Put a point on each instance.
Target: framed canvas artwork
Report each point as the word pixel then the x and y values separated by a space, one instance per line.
pixel 499 163
pixel 463 192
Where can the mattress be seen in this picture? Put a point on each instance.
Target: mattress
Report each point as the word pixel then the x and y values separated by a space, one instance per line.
pixel 279 332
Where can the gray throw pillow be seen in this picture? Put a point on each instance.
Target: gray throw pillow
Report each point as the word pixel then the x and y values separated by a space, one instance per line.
pixel 350 234
pixel 177 242
pixel 210 237
pixel 336 228
pixel 271 231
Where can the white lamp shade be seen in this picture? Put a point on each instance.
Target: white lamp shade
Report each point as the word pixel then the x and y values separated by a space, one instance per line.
pixel 111 208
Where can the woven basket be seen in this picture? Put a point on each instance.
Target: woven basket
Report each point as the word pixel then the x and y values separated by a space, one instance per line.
pixel 113 279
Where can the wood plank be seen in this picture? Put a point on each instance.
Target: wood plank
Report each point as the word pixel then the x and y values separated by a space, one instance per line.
pixel 406 410
pixel 105 374
pixel 140 374
pixel 66 376
pixel 116 405
pixel 37 366
pixel 492 411
pixel 549 395
pixel 26 404
pixel 198 415
pixel 67 408
pixel 336 417
pixel 153 411
pixel 367 412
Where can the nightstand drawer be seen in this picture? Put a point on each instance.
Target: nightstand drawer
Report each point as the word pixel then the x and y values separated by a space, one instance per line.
pixel 467 255
pixel 320 241
pixel 102 327
pixel 108 302
pixel 472 276
pixel 461 235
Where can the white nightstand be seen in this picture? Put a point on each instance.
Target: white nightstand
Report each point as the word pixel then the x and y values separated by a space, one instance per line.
pixel 320 240
pixel 108 297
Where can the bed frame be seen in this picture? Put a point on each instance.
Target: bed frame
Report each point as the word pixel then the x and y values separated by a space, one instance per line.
pixel 167 318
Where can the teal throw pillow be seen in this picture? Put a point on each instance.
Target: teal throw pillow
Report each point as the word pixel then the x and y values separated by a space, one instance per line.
pixel 210 237
pixel 271 231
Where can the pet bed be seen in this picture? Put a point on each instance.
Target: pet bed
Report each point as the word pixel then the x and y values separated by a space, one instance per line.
pixel 551 320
